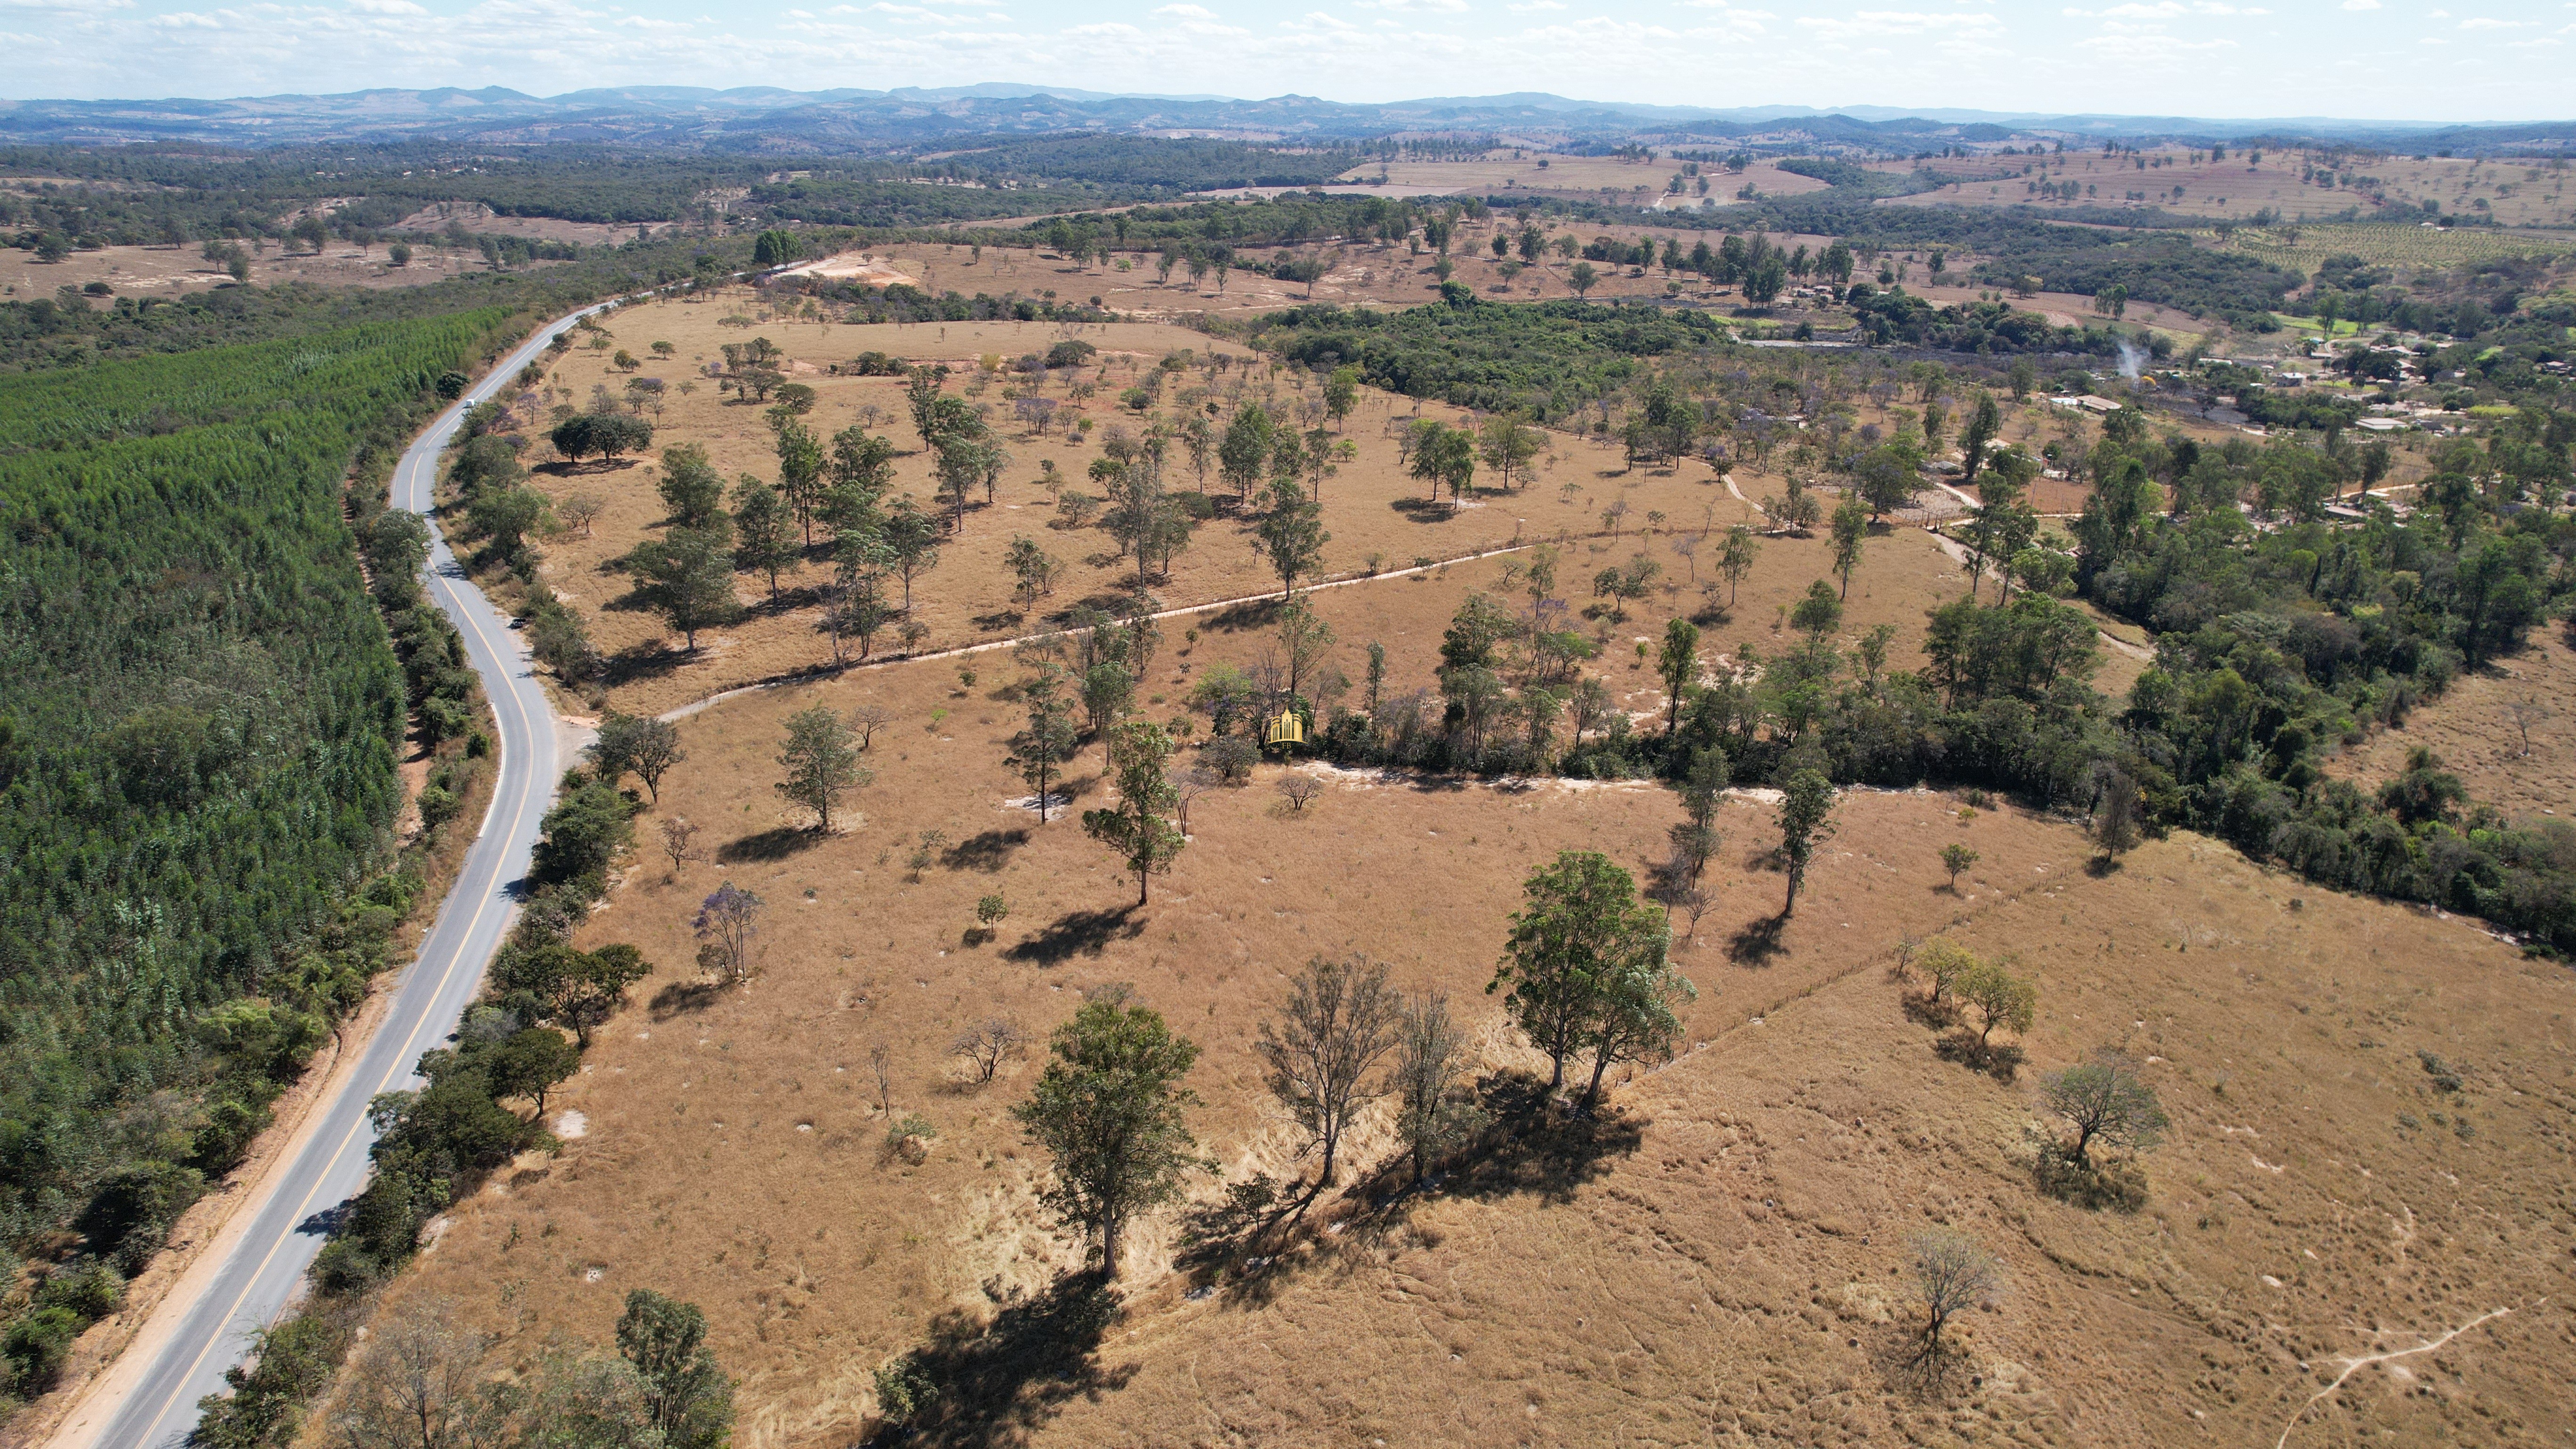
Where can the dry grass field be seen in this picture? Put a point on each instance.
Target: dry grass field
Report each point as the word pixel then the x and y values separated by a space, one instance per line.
pixel 172 271
pixel 1590 177
pixel 1373 508
pixel 1717 1260
pixel 2513 191
pixel 2508 731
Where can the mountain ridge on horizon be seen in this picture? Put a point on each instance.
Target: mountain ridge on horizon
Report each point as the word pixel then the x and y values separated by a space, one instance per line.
pixel 778 118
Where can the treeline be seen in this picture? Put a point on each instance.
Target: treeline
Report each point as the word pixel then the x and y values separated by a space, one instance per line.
pixel 199 723
pixel 482 1102
pixel 1174 164
pixel 1897 316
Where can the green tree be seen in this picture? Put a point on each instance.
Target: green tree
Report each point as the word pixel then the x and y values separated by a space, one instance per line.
pixel 2001 999
pixel 1341 393
pixel 1108 1109
pixel 1292 534
pixel 1735 560
pixel 1507 444
pixel 1582 278
pixel 690 486
pixel 1956 858
pixel 911 539
pixel 775 247
pixel 1581 926
pixel 529 1063
pixel 1678 665
pixel 1107 692
pixel 687 1394
pixel 1139 826
pixel 1806 821
pixel 821 757
pixel 1985 423
pixel 1819 611
pixel 1243 457
pixel 2105 1102
pixel 1049 739
pixel 764 533
pixel 639 744
pixel 686 576
pixel 1636 1019
pixel 1033 570
pixel 801 472
pixel 1443 455
pixel 576 990
pixel 1851 531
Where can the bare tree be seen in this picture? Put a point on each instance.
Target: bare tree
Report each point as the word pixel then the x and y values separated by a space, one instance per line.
pixel 1189 785
pixel 1951 1275
pixel 680 841
pixel 728 921
pixel 881 1065
pixel 580 510
pixel 421 1385
pixel 1300 790
pixel 2526 713
pixel 1340 1017
pixel 1431 1055
pixel 984 1045
pixel 866 720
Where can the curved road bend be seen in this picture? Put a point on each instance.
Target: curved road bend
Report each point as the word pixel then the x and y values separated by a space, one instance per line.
pixel 152 1405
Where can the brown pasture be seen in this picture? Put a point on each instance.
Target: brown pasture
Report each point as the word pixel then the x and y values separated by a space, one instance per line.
pixel 1721 1255
pixel 1373 508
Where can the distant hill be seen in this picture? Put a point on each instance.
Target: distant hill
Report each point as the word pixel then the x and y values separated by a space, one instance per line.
pixel 767 119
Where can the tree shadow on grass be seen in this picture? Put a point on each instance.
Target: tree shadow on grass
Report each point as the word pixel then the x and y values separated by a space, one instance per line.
pixel 642 662
pixel 1757 942
pixel 1998 1060
pixel 1250 614
pixel 1077 933
pixel 995 1382
pixel 682 997
pixel 1533 1146
pixel 1421 511
pixel 775 844
pixel 987 852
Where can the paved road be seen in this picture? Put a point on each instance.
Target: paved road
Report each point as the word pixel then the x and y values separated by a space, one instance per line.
pixel 156 1401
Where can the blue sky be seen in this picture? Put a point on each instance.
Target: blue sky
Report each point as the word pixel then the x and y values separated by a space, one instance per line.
pixel 2463 60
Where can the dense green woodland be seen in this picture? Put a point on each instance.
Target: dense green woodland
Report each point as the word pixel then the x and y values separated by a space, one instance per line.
pixel 200 717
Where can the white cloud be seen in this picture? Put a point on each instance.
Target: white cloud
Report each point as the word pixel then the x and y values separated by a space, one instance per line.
pixel 1445 7
pixel 387 7
pixel 1559 5
pixel 1187 12
pixel 2482 22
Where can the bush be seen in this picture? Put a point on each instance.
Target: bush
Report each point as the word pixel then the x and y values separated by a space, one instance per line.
pixel 89 1288
pixel 36 1347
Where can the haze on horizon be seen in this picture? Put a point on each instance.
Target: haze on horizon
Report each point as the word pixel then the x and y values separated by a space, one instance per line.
pixel 2485 60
